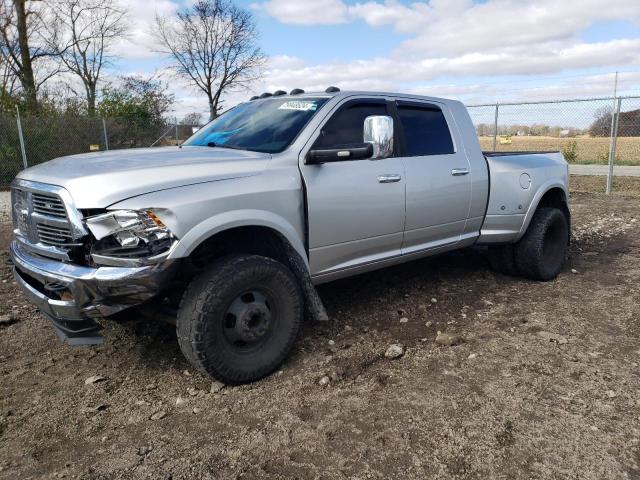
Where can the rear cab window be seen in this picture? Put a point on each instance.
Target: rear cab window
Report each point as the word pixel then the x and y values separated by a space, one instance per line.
pixel 425 128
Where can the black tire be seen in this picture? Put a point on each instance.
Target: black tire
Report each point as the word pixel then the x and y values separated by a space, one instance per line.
pixel 502 259
pixel 238 321
pixel 542 251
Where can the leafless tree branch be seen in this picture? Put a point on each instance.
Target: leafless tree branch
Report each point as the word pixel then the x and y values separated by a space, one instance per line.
pixel 23 49
pixel 213 45
pixel 90 28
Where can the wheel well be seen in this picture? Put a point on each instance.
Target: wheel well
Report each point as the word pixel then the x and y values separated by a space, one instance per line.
pixel 554 197
pixel 254 240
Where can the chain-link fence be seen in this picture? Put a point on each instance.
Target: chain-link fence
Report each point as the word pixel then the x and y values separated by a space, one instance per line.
pixel 587 131
pixel 582 129
pixel 45 138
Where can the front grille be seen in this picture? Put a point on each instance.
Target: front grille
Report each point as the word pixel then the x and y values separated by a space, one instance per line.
pixel 46 204
pixel 40 216
pixel 57 236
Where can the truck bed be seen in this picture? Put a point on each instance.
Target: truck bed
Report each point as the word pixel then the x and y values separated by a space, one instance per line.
pixel 516 181
pixel 520 152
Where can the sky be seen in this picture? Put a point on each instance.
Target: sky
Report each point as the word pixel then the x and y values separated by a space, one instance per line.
pixel 482 51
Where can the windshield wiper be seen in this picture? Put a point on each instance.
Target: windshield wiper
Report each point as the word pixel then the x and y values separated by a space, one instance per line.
pixel 222 145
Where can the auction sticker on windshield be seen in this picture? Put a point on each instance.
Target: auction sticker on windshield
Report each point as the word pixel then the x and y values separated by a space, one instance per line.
pixel 298 105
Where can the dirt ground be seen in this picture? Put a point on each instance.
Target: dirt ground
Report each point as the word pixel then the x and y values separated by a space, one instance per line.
pixel 545 385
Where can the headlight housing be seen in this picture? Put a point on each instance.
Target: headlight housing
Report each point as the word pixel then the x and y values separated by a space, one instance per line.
pixel 129 238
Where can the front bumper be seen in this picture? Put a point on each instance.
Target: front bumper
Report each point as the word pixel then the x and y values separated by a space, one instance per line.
pixel 73 296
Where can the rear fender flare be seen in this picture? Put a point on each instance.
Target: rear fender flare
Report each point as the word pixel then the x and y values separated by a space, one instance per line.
pixel 533 206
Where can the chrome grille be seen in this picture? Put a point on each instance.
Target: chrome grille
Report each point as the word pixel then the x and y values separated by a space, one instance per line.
pixel 50 235
pixel 46 204
pixel 45 218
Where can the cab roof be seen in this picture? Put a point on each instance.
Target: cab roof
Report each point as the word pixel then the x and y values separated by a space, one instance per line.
pixel 331 93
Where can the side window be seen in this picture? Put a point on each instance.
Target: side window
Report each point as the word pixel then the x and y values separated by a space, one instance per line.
pixel 425 131
pixel 346 125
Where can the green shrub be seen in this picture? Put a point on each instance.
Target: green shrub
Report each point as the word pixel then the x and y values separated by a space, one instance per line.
pixel 570 152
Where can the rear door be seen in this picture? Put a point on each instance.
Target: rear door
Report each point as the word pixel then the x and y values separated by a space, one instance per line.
pixel 438 182
pixel 355 207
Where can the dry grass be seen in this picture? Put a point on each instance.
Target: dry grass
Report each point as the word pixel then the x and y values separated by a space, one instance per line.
pixel 590 150
pixel 623 186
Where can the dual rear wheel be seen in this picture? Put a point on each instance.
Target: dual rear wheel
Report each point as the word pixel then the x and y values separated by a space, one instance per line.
pixel 541 252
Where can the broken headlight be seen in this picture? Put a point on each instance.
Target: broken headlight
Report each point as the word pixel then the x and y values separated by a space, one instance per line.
pixel 129 238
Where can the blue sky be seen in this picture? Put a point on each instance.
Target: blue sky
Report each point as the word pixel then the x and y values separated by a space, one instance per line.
pixel 478 52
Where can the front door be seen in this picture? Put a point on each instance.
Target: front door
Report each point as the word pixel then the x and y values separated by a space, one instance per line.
pixel 355 207
pixel 438 177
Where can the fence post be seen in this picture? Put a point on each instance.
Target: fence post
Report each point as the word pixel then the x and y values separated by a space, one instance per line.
pixel 613 144
pixel 177 141
pixel 24 152
pixel 104 131
pixel 495 128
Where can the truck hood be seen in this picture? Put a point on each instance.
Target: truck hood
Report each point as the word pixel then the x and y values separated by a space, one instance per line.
pixel 97 180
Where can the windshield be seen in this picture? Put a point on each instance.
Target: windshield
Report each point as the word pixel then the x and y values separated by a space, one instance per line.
pixel 263 126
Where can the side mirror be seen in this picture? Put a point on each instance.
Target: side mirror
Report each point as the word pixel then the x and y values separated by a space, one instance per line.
pixel 378 131
pixel 354 151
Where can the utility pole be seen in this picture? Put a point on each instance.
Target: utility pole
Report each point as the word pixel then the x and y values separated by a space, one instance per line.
pixel 495 128
pixel 104 132
pixel 612 138
pixel 21 137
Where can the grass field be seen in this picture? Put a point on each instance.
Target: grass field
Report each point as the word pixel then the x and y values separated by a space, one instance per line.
pixel 589 150
pixel 628 187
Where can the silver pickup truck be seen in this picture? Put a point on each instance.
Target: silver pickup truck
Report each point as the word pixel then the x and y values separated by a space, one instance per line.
pixel 233 229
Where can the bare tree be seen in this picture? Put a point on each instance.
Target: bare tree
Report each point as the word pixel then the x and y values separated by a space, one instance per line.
pixel 22 45
pixel 7 79
pixel 90 29
pixel 601 127
pixel 193 118
pixel 213 44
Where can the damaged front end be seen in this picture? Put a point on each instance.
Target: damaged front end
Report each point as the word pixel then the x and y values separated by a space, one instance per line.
pixel 77 269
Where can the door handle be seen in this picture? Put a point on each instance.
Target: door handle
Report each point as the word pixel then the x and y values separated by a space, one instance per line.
pixel 389 178
pixel 456 172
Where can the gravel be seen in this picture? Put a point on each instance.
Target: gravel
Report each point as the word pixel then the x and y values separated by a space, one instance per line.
pixel 5 205
pixel 394 351
pixel 448 339
pixel 521 408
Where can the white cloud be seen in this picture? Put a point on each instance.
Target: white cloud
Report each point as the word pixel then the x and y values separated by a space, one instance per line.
pixel 536 89
pixel 140 42
pixel 452 39
pixel 442 27
pixel 305 12
pixel 456 26
pixel 458 39
pixel 516 61
pixel 499 24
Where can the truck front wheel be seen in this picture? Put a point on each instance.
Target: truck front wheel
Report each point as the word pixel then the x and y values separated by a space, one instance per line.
pixel 542 251
pixel 238 321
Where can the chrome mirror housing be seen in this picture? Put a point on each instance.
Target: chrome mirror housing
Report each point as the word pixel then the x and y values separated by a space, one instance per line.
pixel 378 131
